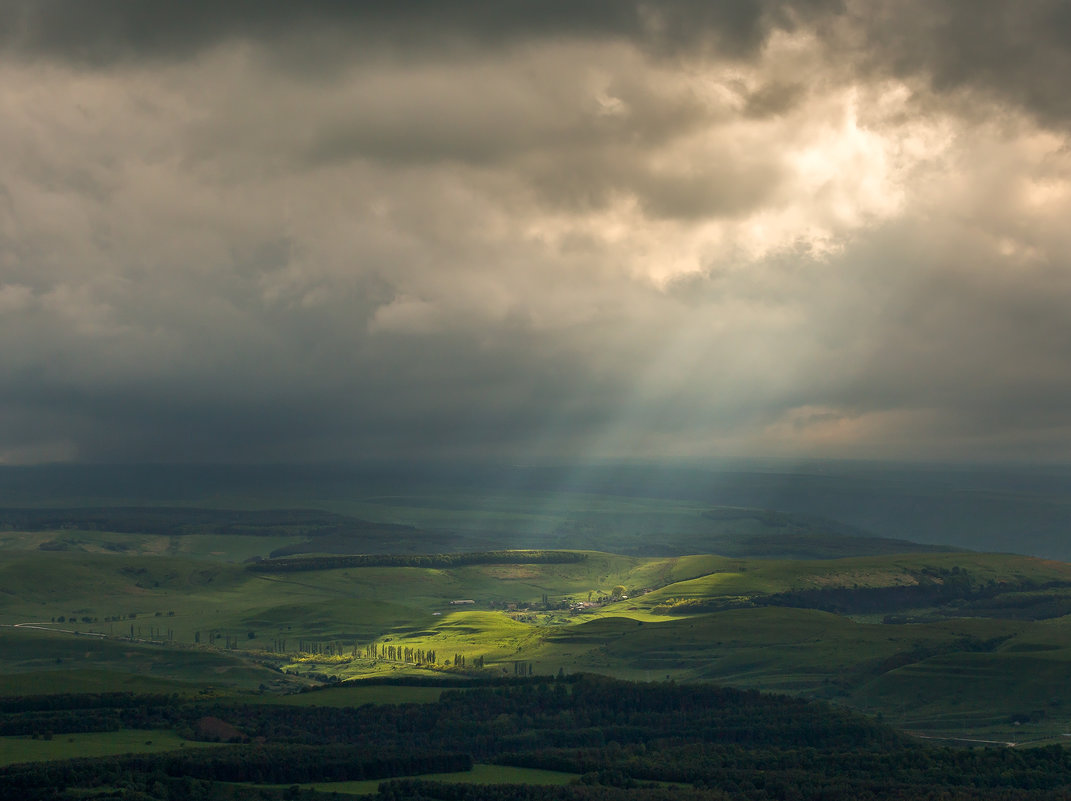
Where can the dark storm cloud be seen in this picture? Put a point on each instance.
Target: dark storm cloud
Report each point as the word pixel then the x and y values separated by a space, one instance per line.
pixel 774 98
pixel 114 30
pixel 268 231
pixel 469 394
pixel 1018 54
pixel 1019 51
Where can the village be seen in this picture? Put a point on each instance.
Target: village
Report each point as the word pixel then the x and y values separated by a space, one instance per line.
pixel 548 611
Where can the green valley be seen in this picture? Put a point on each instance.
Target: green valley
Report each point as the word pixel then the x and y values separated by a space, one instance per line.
pixel 920 638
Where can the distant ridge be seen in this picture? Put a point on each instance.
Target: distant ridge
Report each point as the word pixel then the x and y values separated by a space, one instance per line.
pixel 180 520
pixel 443 560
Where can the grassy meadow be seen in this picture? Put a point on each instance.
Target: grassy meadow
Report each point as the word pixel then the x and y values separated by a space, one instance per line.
pixel 986 649
pixel 480 774
pixel 92 744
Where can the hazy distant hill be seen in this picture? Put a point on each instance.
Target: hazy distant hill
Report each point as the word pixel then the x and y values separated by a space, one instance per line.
pixel 1017 509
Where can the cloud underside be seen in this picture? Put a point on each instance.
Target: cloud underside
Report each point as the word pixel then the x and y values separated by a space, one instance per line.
pixel 542 231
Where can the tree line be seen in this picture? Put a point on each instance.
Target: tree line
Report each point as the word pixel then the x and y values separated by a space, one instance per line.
pixel 436 560
pixel 620 739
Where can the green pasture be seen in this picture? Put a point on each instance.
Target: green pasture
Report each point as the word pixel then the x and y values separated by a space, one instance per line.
pixel 745 578
pixel 1012 695
pixel 184 601
pixel 768 647
pixel 480 774
pixel 176 622
pixel 973 675
pixel 90 680
pixel 492 635
pixel 211 547
pixel 37 662
pixel 187 602
pixel 185 596
pixel 37 586
pixel 93 744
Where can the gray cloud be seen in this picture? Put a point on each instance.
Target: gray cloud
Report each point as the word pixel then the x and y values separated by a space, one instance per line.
pixel 1014 55
pixel 1019 53
pixel 119 30
pixel 544 231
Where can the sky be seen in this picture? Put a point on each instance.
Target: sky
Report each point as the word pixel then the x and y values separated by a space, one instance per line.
pixel 266 231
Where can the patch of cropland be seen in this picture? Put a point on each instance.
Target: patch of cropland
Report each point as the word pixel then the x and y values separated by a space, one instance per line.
pixel 610 739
